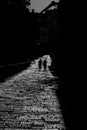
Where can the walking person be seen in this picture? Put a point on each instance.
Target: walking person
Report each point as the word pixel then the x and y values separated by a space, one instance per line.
pixel 45 64
pixel 40 64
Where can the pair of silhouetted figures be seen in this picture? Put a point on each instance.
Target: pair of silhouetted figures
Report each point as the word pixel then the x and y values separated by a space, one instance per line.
pixel 42 63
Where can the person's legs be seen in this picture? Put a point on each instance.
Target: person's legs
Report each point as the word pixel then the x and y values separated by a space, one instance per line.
pixel 39 67
pixel 40 64
pixel 45 65
pixel 44 68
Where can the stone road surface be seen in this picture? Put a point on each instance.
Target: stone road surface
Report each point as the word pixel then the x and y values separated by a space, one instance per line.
pixel 28 101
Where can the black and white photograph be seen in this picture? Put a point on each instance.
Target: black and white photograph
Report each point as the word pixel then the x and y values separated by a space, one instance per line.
pixel 36 66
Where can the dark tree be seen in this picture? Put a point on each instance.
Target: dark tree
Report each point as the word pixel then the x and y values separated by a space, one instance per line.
pixel 18 5
pixel 10 6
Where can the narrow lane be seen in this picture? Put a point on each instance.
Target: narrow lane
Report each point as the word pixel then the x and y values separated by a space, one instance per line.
pixel 30 102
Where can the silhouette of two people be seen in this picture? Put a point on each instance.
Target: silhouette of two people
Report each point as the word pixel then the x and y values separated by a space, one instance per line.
pixel 42 63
